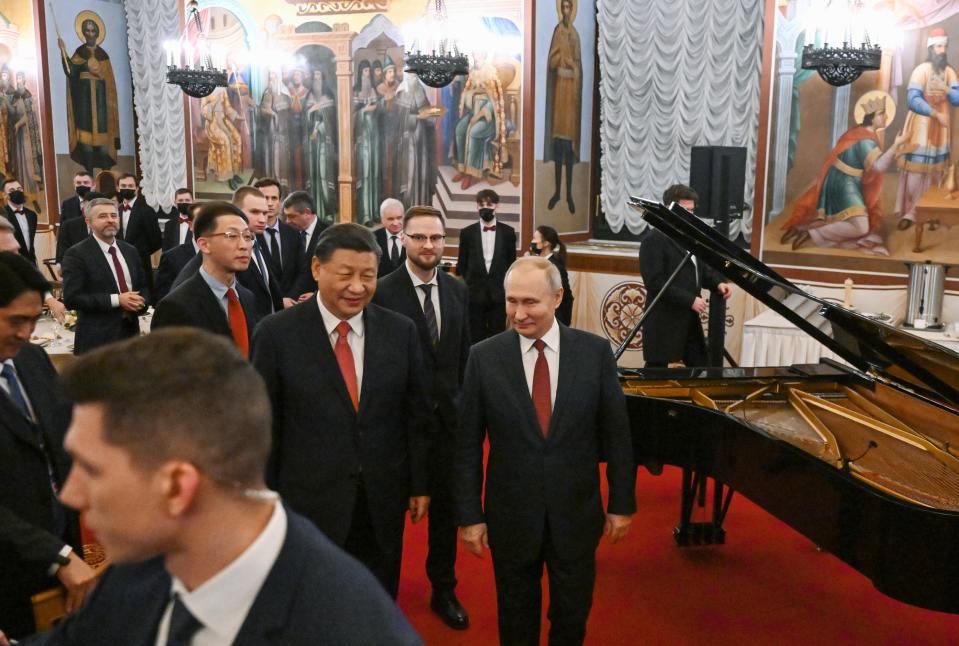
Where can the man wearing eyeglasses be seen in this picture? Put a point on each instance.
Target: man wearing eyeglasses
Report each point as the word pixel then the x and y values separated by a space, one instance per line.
pixel 213 299
pixel 437 303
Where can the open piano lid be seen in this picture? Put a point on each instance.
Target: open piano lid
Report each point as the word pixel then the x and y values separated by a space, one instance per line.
pixel 876 348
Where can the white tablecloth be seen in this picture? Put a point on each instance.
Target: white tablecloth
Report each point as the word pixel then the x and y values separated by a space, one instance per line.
pixel 771 340
pixel 57 340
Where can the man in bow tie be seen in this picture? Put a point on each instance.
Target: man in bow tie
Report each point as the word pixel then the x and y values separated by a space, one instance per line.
pixel 138 225
pixel 487 248
pixel 177 230
pixel 23 219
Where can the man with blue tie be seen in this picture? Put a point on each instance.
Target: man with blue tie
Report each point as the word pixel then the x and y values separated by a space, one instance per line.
pixel 39 538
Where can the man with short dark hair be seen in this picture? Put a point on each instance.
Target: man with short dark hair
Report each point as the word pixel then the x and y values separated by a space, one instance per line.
pixel 170 436
pixel 299 210
pixel 548 399
pixel 352 417
pixel 392 253
pixel 213 299
pixel 138 225
pixel 487 248
pixel 70 207
pixel 283 246
pixel 103 281
pixel 76 229
pixel 177 230
pixel 174 260
pixel 24 220
pixel 437 303
pixel 673 331
pixel 39 538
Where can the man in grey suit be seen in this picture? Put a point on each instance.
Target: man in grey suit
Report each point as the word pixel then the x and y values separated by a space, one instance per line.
pixel 549 399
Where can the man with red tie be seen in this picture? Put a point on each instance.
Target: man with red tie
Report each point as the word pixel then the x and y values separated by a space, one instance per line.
pixel 24 220
pixel 548 397
pixel 213 299
pixel 486 249
pixel 103 281
pixel 352 417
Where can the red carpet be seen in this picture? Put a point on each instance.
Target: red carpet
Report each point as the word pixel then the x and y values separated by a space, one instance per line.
pixel 767 585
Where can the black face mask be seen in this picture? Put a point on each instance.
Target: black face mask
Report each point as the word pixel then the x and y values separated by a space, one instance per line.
pixel 534 248
pixel 82 190
pixel 127 194
pixel 17 197
pixel 486 213
pixel 184 208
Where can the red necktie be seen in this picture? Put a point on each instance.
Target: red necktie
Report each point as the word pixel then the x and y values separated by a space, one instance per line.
pixel 344 357
pixel 184 219
pixel 121 278
pixel 234 312
pixel 490 228
pixel 542 400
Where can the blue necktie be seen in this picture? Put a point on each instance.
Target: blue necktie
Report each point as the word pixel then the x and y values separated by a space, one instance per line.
pixel 16 392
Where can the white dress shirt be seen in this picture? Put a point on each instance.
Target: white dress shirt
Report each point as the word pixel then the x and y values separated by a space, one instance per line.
pixel 354 338
pixel 184 230
pixel 222 603
pixel 24 227
pixel 125 215
pixel 115 298
pixel 434 293
pixel 309 232
pixel 530 354
pixel 489 241
pixel 219 290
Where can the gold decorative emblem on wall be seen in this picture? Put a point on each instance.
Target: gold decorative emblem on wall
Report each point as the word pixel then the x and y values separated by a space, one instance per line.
pixel 622 307
pixel 340 7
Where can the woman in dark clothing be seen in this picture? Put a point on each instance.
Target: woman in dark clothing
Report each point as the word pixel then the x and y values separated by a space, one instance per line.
pixel 546 243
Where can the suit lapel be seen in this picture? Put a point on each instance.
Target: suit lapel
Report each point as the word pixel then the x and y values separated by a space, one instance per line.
pixel 565 383
pixel 413 306
pixel 374 354
pixel 449 311
pixel 323 355
pixel 517 375
pixel 211 308
pixel 478 246
pixel 17 423
pixel 101 261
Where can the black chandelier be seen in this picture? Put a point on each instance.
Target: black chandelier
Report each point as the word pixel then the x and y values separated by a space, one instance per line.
pixel 439 66
pixel 197 80
pixel 840 66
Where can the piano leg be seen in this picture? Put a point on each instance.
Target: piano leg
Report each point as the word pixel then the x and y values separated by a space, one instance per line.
pixel 694 494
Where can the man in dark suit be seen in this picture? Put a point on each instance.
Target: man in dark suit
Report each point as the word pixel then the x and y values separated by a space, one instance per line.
pixel 103 281
pixel 437 303
pixel 213 299
pixel 298 208
pixel 70 207
pixel 202 552
pixel 76 229
pixel 549 399
pixel 283 246
pixel 352 418
pixel 487 248
pixel 177 229
pixel 38 535
pixel 23 219
pixel 259 277
pixel 172 263
pixel 392 253
pixel 138 225
pixel 673 331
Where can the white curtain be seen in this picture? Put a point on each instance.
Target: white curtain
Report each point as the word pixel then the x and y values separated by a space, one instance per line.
pixel 159 107
pixel 675 74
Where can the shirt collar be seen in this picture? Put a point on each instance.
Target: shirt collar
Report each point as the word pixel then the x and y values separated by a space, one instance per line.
pixel 222 602
pixel 491 223
pixel 312 227
pixel 330 321
pixel 104 246
pixel 219 289
pixel 551 339
pixel 131 202
pixel 416 279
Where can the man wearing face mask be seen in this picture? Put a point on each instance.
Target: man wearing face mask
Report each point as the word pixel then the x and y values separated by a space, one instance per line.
pixel 70 207
pixel 487 249
pixel 138 224
pixel 177 231
pixel 23 219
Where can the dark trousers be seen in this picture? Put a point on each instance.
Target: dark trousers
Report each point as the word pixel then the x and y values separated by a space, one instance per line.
pixel 695 354
pixel 362 543
pixel 519 595
pixel 441 558
pixel 486 319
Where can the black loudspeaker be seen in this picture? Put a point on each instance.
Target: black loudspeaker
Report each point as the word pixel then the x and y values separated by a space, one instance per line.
pixel 718 175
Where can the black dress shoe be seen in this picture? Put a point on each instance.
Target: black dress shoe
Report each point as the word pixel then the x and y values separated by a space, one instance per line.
pixel 447 606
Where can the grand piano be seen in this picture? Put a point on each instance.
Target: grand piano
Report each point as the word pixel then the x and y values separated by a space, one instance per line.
pixel 862 459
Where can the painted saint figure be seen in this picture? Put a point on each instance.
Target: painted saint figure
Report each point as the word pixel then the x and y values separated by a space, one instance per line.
pixel 26 162
pixel 415 165
pixel 225 160
pixel 842 209
pixel 479 125
pixel 273 132
pixel 238 90
pixel 933 87
pixel 92 116
pixel 321 120
pixel 367 147
pixel 564 101
pixel 299 132
pixel 387 91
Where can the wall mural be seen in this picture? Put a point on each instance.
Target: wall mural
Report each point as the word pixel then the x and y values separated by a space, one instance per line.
pixel 321 102
pixel 21 149
pixel 564 106
pixel 91 92
pixel 864 177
